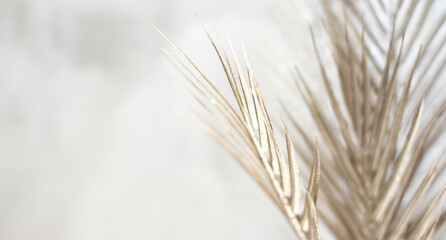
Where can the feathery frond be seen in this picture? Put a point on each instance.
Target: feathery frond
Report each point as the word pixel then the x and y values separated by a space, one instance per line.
pixel 383 126
pixel 253 141
pixel 377 130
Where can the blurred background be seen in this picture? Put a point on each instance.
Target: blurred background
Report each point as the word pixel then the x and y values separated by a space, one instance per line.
pixel 89 148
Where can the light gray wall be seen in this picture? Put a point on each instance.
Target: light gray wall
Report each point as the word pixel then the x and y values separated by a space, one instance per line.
pixel 89 148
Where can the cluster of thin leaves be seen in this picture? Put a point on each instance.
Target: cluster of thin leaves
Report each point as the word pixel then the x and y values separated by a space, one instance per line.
pixel 375 135
pixel 253 142
pixel 376 145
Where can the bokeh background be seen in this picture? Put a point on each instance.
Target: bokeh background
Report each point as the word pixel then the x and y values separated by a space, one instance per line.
pixel 89 148
pixel 92 146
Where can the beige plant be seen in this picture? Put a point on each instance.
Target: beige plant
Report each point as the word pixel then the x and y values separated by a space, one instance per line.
pixel 384 122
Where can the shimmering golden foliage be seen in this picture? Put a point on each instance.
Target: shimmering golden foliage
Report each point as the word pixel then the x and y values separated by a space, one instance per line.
pixel 373 136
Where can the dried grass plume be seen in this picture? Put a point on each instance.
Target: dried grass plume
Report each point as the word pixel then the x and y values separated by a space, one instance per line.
pixel 374 134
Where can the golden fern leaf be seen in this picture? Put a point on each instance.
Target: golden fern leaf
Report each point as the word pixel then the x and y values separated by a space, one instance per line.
pixel 374 136
pixel 375 147
pixel 252 139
